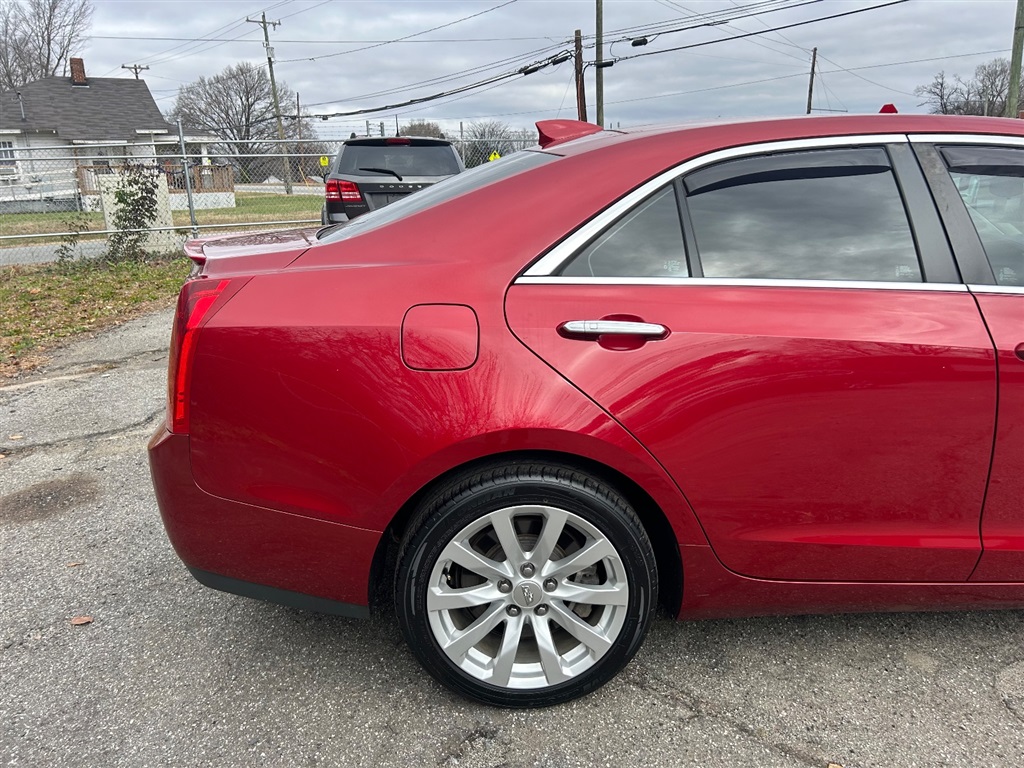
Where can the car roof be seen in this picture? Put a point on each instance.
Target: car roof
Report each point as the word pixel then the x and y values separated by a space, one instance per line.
pixel 720 134
pixel 383 141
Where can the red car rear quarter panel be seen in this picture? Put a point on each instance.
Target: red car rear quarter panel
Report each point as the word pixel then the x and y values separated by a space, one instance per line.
pixel 301 401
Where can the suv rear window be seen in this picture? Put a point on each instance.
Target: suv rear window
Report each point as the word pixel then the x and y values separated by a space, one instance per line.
pixel 406 159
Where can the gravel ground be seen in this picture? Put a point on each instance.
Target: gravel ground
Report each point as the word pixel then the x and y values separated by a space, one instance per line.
pixel 171 673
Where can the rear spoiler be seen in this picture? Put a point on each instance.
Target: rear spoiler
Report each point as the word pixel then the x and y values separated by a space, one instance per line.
pixel 553 132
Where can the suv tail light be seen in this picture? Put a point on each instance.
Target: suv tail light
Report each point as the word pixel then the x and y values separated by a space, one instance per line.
pixel 197 303
pixel 338 191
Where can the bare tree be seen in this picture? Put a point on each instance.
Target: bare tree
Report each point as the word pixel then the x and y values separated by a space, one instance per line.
pixel 422 128
pixel 39 37
pixel 237 105
pixel 482 138
pixel 985 94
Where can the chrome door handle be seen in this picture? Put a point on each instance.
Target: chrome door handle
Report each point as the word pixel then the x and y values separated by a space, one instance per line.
pixel 613 328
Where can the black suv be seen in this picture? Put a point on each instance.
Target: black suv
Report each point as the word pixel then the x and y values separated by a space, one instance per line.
pixel 370 173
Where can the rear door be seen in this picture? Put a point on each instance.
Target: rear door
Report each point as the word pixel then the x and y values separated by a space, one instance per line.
pixel 785 329
pixel 980 180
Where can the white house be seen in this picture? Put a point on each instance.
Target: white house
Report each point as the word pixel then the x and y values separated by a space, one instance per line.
pixel 59 133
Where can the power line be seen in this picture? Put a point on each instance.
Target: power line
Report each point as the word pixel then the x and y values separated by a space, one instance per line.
pixel 194 46
pixel 760 44
pixel 803 74
pixel 406 37
pixel 762 32
pixel 872 82
pixel 710 19
pixel 319 42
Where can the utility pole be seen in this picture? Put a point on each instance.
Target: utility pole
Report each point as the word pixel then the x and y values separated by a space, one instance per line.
pixel 136 68
pixel 581 93
pixel 1015 62
pixel 273 88
pixel 810 85
pixel 598 62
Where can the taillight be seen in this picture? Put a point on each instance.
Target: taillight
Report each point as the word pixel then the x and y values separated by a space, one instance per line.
pixel 337 191
pixel 195 302
pixel 350 191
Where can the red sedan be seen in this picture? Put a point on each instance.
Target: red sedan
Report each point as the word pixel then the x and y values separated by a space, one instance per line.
pixel 730 369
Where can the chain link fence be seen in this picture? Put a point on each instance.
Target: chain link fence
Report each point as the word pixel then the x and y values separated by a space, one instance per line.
pixel 59 202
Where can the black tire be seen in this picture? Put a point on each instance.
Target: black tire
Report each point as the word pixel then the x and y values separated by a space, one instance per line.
pixel 526 645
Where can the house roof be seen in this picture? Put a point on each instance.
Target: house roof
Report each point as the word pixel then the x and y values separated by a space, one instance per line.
pixel 107 109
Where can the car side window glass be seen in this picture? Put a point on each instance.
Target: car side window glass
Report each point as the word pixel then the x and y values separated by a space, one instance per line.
pixel 991 182
pixel 645 242
pixel 833 214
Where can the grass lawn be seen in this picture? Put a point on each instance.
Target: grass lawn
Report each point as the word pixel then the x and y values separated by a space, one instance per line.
pixel 44 305
pixel 249 207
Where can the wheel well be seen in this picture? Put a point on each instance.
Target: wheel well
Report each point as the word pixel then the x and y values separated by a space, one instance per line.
pixel 659 531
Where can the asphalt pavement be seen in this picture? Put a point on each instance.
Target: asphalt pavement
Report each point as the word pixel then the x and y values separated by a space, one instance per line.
pixel 170 673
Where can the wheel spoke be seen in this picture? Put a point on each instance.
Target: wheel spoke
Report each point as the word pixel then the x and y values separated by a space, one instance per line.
pixel 594 552
pixel 550 661
pixel 443 598
pixel 507 654
pixel 461 553
pixel 604 594
pixel 554 522
pixel 460 643
pixel 586 634
pixel 501 521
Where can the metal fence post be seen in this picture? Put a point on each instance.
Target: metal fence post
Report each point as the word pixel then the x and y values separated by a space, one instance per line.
pixel 188 183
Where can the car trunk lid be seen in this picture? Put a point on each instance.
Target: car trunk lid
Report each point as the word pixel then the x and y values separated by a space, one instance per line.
pixel 249 253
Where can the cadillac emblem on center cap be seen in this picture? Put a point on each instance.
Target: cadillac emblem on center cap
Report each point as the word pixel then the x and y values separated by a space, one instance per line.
pixel 528 595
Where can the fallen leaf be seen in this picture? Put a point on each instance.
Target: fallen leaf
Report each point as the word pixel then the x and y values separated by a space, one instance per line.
pixel 80 620
pixel 72 565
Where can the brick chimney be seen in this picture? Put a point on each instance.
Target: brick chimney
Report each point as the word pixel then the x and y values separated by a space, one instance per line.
pixel 78 73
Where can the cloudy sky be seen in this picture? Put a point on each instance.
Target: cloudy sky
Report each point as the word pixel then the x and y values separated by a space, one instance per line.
pixel 345 55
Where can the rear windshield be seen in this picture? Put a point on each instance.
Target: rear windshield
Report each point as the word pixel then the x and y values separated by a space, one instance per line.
pixel 443 191
pixel 405 159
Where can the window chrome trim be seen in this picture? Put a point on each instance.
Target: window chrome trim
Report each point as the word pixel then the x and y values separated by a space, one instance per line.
pixel 1013 290
pixel 744 282
pixel 562 252
pixel 967 138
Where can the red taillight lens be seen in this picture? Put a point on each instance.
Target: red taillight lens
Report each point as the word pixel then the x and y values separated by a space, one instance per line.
pixel 342 190
pixel 195 301
pixel 398 140
pixel 350 191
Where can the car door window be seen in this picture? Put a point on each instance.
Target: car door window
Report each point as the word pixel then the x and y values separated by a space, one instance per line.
pixel 645 242
pixel 833 214
pixel 991 182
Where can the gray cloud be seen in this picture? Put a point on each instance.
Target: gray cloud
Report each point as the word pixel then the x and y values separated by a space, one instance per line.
pixel 716 80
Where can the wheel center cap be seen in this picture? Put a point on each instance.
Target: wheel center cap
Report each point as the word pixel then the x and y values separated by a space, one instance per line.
pixel 527 594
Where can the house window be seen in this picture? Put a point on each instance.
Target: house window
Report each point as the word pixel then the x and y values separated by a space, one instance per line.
pixel 8 166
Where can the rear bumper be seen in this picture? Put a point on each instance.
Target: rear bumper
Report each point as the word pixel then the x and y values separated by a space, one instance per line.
pixel 329 217
pixel 255 551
